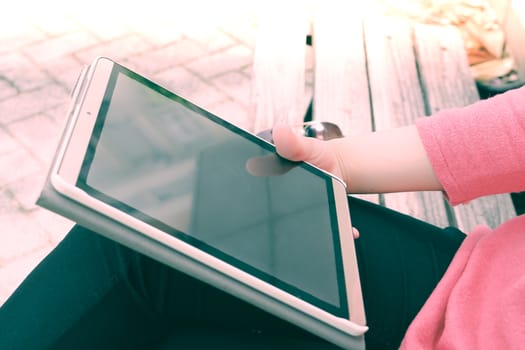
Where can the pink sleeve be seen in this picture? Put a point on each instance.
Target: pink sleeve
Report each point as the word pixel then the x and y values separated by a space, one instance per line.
pixel 479 149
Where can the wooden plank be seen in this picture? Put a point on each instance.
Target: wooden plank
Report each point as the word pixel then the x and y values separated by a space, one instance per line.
pixel 340 81
pixel 443 66
pixel 279 64
pixel 396 95
pixel 397 100
pixel 447 83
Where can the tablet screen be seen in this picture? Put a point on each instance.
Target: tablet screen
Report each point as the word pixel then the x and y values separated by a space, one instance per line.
pixel 184 171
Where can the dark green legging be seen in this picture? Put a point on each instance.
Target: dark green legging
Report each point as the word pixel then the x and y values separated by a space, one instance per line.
pixel 91 293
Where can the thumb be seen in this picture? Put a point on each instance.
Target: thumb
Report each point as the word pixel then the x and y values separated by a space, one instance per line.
pixel 294 147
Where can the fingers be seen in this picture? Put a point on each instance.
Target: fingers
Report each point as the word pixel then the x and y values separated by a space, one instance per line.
pixel 287 143
pixel 355 233
pixel 299 148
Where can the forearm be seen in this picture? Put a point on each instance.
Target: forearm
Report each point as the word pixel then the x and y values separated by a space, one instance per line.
pixel 386 161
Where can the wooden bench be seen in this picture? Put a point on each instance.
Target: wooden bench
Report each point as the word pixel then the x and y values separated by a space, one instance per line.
pixel 369 75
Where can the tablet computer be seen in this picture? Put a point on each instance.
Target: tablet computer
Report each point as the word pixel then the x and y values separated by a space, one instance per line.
pixel 216 197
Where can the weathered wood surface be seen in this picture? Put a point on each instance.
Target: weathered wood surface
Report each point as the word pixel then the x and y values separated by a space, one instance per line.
pixel 341 91
pixel 397 100
pixel 279 66
pixel 341 81
pixel 374 75
pixel 447 83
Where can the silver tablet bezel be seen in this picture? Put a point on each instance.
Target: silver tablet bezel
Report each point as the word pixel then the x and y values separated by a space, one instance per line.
pixel 87 99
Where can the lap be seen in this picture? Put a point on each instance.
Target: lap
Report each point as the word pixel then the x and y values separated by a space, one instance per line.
pixel 93 292
pixel 401 260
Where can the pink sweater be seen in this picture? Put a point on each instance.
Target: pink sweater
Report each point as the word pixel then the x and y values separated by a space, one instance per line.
pixel 480 302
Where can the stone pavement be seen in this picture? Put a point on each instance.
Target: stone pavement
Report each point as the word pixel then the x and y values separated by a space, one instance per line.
pixel 42 49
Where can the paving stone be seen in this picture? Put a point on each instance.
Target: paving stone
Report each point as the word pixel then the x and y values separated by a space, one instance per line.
pixel 167 37
pixel 55 225
pixel 243 30
pixel 57 47
pixel 118 49
pixel 18 31
pixel 248 71
pixel 161 32
pixel 7 143
pixel 190 86
pixel 26 190
pixel 32 102
pixel 106 27
pixel 209 38
pixel 236 85
pixel 167 57
pixel 22 72
pixel 54 23
pixel 59 114
pixel 64 71
pixel 39 134
pixel 19 236
pixel 222 62
pixel 16 165
pixel 158 22
pixel 7 89
pixel 8 204
pixel 233 113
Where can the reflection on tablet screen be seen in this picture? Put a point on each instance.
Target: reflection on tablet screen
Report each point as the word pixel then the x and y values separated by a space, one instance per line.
pixel 154 156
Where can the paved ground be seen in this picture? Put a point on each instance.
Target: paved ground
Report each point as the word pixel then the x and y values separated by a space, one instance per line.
pixel 41 53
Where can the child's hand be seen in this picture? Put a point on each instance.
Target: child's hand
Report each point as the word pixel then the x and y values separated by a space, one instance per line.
pixel 300 148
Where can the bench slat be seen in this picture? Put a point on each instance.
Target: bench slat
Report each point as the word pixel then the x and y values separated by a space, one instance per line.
pixel 399 73
pixel 341 82
pixel 448 83
pixel 279 65
pixel 397 101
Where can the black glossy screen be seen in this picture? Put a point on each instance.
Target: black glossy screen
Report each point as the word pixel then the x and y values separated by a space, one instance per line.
pixel 194 176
